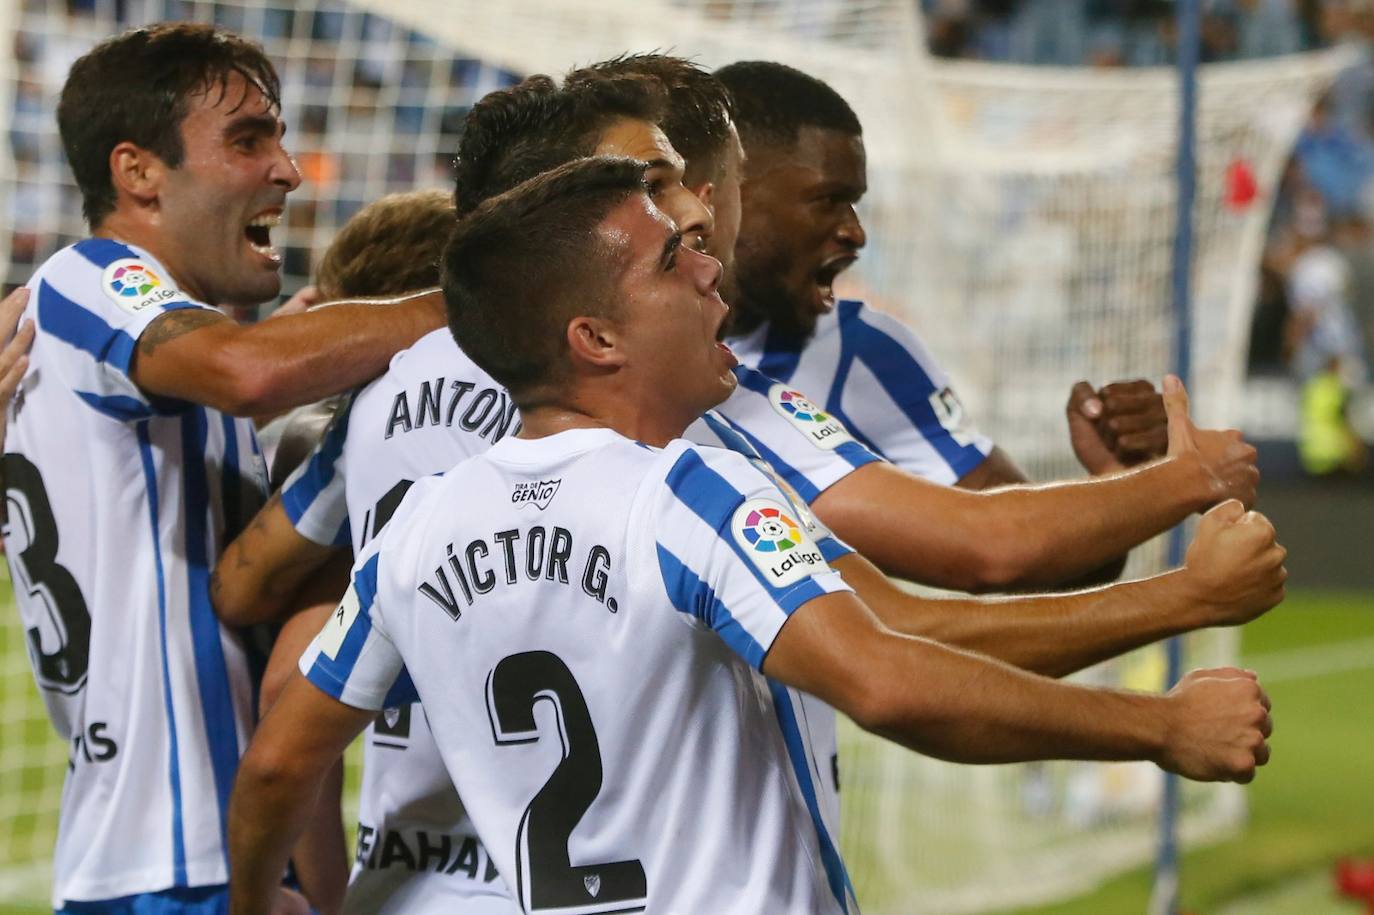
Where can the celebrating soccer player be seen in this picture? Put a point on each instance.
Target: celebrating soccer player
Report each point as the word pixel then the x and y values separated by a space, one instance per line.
pixel 126 461
pixel 602 605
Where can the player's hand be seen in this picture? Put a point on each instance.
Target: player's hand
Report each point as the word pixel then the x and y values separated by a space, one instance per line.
pixel 306 297
pixel 289 902
pixel 1218 726
pixel 1235 565
pixel 1225 458
pixel 1117 426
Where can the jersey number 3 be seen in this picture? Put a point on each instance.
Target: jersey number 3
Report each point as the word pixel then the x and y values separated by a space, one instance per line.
pixel 62 670
pixel 545 877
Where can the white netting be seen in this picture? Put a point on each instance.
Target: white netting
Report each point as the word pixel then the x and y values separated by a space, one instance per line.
pixel 1021 219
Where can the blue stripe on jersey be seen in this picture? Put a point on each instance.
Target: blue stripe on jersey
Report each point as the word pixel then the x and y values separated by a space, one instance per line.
pixel 297 498
pixel 729 434
pixel 835 872
pixel 331 675
pixel 833 548
pixel 83 329
pixel 103 251
pixel 754 380
pixel 902 377
pixel 145 450
pixel 782 353
pixel 712 499
pixel 116 406
pixel 689 594
pixel 212 674
pixel 798 480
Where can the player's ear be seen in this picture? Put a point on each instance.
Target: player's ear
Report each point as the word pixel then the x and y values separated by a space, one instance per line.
pixel 705 192
pixel 595 341
pixel 136 172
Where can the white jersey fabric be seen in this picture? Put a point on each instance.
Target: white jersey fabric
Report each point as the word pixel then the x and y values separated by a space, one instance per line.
pixel 118 506
pixel 417 851
pixel 584 618
pixel 872 374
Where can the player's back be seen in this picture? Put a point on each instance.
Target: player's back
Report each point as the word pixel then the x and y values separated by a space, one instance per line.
pixel 118 504
pixel 584 631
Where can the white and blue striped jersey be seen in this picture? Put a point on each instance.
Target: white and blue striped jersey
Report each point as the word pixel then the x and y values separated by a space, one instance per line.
pixel 118 506
pixel 584 618
pixel 877 378
pixel 416 847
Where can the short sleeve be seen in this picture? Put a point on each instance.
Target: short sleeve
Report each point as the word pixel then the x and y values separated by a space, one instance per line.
pixel 900 401
pixel 95 300
pixel 352 659
pixel 731 551
pixel 314 495
pixel 807 446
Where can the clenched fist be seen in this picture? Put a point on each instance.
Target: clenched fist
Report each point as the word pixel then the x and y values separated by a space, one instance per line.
pixel 1218 725
pixel 1235 565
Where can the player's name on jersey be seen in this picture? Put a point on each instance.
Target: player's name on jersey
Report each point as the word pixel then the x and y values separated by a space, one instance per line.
pixel 417 850
pixel 535 553
pixel 487 411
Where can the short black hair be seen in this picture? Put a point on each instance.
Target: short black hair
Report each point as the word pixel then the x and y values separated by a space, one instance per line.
pixel 513 134
pixel 525 262
pixel 136 87
pixel 773 102
pixel 699 113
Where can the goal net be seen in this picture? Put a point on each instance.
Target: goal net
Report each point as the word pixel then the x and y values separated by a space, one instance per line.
pixel 1020 218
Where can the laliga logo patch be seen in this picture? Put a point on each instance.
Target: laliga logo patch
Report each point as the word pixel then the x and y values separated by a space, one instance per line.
pixel 539 493
pixel 800 509
pixel 775 543
pixel 950 413
pixel 822 429
pixel 331 637
pixel 133 286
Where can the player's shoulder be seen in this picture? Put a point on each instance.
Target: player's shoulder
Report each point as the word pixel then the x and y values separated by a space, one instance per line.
pixel 857 321
pixel 692 471
pixel 101 270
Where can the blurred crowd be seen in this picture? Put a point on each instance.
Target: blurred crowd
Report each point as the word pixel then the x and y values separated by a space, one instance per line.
pixel 376 108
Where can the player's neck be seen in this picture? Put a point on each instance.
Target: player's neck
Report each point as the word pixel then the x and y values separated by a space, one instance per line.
pixel 647 422
pixel 131 230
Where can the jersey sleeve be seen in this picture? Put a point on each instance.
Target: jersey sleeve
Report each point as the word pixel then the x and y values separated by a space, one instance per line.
pixel 95 300
pixel 901 401
pixel 314 496
pixel 808 447
pixel 352 659
pixel 731 551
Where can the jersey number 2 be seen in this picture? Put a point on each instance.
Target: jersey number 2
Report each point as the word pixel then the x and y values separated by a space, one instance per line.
pixel 62 670
pixel 545 877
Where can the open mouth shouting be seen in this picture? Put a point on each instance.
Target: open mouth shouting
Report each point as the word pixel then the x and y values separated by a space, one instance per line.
pixel 825 280
pixel 259 235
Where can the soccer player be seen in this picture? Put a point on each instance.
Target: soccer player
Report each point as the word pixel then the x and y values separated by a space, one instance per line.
pixel 805 171
pixel 414 421
pixel 586 633
pixel 126 466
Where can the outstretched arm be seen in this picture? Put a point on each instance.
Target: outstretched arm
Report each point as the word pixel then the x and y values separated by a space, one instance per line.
pixel 965 707
pixel 1233 573
pixel 200 355
pixel 1039 535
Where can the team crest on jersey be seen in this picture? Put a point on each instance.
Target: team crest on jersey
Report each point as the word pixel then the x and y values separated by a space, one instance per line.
pixel 133 286
pixel 331 637
pixel 822 429
pixel 776 543
pixel 539 493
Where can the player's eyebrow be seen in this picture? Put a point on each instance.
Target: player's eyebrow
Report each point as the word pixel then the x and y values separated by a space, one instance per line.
pixel 665 259
pixel 264 124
